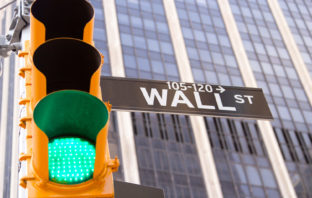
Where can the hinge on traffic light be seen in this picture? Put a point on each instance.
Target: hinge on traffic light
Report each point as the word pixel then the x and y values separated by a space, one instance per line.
pixel 22 53
pixel 23 121
pixel 23 101
pixel 23 70
pixel 23 180
pixel 108 105
pixel 113 164
pixel 24 156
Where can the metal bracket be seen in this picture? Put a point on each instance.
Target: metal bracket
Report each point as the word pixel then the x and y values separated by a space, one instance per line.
pixel 23 101
pixel 113 164
pixel 23 180
pixel 23 70
pixel 24 156
pixel 23 121
pixel 21 18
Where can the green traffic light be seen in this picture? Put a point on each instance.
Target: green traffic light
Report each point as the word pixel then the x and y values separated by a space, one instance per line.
pixel 71 160
pixel 64 116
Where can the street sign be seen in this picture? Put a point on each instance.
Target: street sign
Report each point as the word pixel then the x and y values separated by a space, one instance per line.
pixel 128 190
pixel 184 98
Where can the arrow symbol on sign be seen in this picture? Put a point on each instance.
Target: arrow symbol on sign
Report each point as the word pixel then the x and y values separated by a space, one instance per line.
pixel 221 89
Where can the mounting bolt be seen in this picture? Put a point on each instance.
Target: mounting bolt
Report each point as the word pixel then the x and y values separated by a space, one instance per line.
pixel 8 37
pixel 26 10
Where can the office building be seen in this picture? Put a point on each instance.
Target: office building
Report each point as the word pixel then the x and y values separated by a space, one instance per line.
pixel 247 43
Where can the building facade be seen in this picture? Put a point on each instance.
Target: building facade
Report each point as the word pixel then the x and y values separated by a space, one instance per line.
pixel 252 43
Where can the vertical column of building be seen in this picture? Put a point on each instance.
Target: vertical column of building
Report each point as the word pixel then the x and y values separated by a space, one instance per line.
pixel 130 167
pixel 265 127
pixel 293 20
pixel 201 138
pixel 292 47
pixel 4 106
pixel 165 143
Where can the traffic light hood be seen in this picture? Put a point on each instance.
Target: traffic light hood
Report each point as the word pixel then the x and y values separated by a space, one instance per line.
pixel 71 113
pixel 58 23
pixel 67 64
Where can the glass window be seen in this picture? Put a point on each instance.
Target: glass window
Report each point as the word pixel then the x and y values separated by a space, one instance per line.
pixel 308 116
pixel 162 27
pixel 205 55
pixel 143 64
pixel 267 68
pixel 126 39
pixel 224 41
pixel 139 42
pixel 291 73
pixel 211 77
pixel 217 58
pixel 166 48
pixel 268 178
pixel 273 193
pixel 255 66
pixel 244 190
pixel 218 22
pixel 198 75
pixel 241 27
pixel 199 36
pixel 279 70
pixel 283 112
pixel 130 61
pixel 275 90
pixel 287 91
pixel 157 67
pixel 300 95
pixel 275 34
pixel 259 48
pixel 258 192
pixel 193 16
pixel 206 19
pixel 123 19
pixel 271 50
pixel 171 69
pixel 136 22
pixel 297 116
pixel 187 33
pixel 224 79
pixel 192 52
pixel 306 57
pixel 283 53
pixel 182 14
pixel 158 9
pixel 153 45
pixel 253 175
pixel 230 61
pixel 149 24
pixel 146 6
pixel 212 38
pixel 239 173
pixel 252 29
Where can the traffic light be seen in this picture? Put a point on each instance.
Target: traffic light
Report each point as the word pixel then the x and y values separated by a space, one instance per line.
pixel 67 122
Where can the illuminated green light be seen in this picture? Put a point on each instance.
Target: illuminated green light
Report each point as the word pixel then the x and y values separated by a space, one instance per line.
pixel 71 160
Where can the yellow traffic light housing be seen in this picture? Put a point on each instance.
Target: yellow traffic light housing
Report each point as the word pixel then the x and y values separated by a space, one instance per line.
pixel 58 18
pixel 67 122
